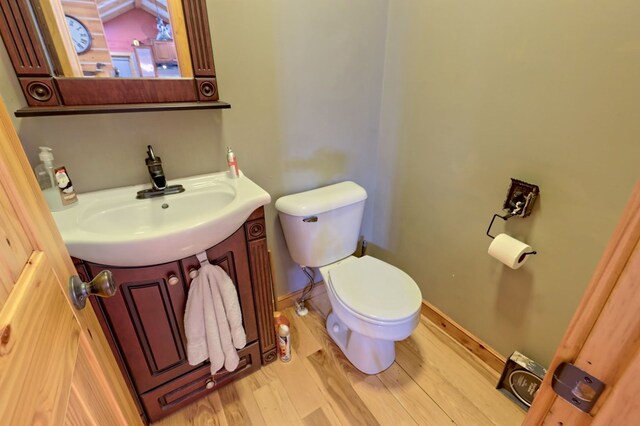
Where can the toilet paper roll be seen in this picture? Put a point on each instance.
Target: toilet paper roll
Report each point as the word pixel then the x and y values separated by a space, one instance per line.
pixel 509 251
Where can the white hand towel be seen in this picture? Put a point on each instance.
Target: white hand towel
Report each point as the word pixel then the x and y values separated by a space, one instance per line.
pixel 194 327
pixel 200 326
pixel 215 340
pixel 231 307
pixel 231 358
pixel 213 320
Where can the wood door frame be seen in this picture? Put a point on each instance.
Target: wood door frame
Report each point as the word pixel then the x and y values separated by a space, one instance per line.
pixel 620 248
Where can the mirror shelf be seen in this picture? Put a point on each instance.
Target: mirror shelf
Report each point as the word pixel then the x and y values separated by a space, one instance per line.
pixel 37 64
pixel 102 109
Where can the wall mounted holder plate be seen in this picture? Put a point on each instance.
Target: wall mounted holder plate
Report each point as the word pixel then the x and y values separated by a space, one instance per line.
pixel 520 198
pixel 519 202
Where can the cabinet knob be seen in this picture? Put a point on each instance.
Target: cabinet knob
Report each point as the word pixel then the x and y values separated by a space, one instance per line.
pixel 173 280
pixel 193 273
pixel 102 285
pixel 210 384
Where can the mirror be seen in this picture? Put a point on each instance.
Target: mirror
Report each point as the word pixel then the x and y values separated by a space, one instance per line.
pixel 117 38
pixel 76 57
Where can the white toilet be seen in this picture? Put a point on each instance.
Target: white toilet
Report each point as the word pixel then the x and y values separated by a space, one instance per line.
pixel 374 303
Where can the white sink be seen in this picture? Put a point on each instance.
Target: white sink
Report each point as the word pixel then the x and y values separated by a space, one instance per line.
pixel 112 227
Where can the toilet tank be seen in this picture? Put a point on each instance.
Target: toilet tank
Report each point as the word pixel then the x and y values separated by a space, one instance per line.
pixel 322 225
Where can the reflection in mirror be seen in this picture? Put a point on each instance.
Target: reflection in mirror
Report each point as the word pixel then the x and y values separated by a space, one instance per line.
pixel 117 38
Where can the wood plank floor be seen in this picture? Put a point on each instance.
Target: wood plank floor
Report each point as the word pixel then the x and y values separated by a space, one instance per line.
pixel 434 381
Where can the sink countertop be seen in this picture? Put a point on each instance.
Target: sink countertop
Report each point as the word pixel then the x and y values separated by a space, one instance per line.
pixel 112 227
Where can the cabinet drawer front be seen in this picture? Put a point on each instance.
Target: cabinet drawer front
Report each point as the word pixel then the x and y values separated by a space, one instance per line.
pixel 182 391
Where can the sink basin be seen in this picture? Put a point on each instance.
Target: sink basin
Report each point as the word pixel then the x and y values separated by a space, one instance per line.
pixel 112 227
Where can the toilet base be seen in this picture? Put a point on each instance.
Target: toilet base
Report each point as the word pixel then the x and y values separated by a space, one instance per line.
pixel 368 355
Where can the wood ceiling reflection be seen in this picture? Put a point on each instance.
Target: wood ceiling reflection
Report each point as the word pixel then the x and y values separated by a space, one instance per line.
pixel 110 9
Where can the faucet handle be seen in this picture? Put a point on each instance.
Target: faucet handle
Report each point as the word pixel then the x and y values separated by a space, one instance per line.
pixel 150 153
pixel 154 164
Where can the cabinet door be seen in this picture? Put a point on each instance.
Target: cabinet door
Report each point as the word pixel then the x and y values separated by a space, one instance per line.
pixel 165 52
pixel 145 321
pixel 231 255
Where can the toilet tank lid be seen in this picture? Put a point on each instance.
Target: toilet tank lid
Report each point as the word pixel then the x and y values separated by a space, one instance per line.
pixel 320 200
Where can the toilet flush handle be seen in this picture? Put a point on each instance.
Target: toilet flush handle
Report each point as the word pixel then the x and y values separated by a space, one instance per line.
pixel 310 219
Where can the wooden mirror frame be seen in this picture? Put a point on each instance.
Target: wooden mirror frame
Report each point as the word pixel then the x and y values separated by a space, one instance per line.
pixel 47 94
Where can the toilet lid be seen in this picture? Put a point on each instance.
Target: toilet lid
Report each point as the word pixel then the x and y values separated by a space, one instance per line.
pixel 375 289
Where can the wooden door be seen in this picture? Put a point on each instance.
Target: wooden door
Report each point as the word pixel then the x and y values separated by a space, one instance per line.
pixel 603 338
pixel 55 364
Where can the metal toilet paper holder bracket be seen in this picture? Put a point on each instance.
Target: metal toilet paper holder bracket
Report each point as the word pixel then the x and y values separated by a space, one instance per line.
pixel 519 202
pixel 505 217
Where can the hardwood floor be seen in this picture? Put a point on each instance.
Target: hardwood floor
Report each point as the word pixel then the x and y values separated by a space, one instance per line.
pixel 434 381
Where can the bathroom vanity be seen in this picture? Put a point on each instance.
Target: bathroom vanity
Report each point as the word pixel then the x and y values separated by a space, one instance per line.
pixel 143 322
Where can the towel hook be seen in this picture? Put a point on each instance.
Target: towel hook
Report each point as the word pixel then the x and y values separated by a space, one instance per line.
pixel 202 258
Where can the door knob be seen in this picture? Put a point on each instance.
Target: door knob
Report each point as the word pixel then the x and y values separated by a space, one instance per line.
pixel 102 285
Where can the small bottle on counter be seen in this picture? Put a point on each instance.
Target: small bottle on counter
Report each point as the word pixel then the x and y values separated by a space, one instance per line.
pixel 232 162
pixel 54 182
pixel 284 343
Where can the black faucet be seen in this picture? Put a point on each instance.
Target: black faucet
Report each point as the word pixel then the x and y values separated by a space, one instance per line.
pixel 158 181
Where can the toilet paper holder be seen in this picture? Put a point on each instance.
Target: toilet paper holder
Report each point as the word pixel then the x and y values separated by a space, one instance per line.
pixel 505 217
pixel 519 202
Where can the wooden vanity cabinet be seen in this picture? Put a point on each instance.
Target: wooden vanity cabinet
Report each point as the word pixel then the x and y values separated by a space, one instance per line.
pixel 143 322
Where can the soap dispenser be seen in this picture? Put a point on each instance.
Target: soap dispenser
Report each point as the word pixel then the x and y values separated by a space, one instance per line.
pixel 54 182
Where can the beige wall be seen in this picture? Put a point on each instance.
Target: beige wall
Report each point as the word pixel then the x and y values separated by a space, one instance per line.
pixel 304 81
pixel 473 93
pixel 476 93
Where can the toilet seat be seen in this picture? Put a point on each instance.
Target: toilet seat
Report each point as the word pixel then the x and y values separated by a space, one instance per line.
pixel 375 291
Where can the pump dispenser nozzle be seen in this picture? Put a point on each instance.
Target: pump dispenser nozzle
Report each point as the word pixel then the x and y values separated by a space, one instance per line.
pixel 46 154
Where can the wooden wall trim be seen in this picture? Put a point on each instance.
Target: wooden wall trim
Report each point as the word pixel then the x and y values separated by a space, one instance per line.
pixel 461 335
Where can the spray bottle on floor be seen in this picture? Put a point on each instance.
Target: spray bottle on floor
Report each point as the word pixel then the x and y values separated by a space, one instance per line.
pixel 284 343
pixel 283 336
